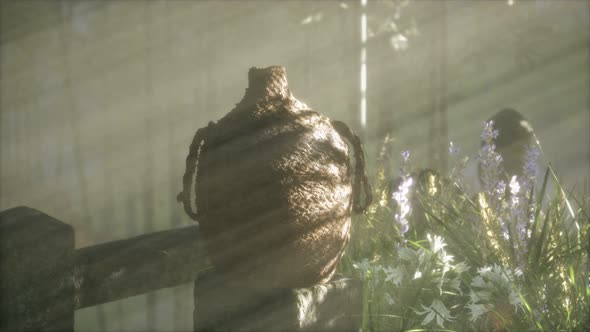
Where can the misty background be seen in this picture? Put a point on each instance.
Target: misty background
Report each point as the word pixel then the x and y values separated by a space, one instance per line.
pixel 100 99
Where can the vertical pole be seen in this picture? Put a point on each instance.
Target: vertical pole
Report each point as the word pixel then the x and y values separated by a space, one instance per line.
pixel 363 77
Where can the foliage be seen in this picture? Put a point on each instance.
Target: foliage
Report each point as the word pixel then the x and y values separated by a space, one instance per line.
pixel 434 257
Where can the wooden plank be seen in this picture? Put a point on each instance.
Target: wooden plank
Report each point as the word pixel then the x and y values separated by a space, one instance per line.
pixel 130 267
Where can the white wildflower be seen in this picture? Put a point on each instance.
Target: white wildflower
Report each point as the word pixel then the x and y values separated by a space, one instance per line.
pixel 394 275
pixel 436 243
pixel 436 310
pixel 477 310
pixel 515 300
pixel 461 267
pixel 364 266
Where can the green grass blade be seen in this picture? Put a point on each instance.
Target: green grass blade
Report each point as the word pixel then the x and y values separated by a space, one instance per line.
pixel 538 208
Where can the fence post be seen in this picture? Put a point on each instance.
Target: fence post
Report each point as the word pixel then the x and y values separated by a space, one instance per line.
pixel 36 277
pixel 335 306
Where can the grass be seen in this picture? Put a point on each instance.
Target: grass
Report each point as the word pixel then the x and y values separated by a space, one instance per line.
pixel 511 259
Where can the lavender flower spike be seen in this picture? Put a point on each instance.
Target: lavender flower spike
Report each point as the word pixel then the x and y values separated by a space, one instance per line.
pixel 401 196
pixel 490 161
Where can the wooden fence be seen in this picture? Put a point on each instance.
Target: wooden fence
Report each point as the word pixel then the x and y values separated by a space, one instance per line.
pixel 44 279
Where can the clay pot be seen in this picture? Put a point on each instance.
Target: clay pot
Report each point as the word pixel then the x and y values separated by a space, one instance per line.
pixel 274 188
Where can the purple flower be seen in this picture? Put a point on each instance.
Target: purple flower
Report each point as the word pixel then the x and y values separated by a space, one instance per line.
pixel 518 213
pixel 500 189
pixel 514 188
pixel 405 169
pixel 529 172
pixel 489 134
pixel 453 150
pixel 406 156
pixel 403 204
pixel 490 162
pixel 459 164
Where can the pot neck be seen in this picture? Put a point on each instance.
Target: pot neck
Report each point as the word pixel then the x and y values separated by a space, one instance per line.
pixel 267 83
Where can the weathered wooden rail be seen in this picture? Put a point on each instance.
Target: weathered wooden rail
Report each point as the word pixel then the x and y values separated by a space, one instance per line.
pixel 44 279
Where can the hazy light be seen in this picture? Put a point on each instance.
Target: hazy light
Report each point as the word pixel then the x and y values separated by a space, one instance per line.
pixel 313 18
pixel 363 112
pixel 364 55
pixel 364 27
pixel 363 77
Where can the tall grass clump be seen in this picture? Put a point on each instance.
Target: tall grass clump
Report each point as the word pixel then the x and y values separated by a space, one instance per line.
pixel 434 256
